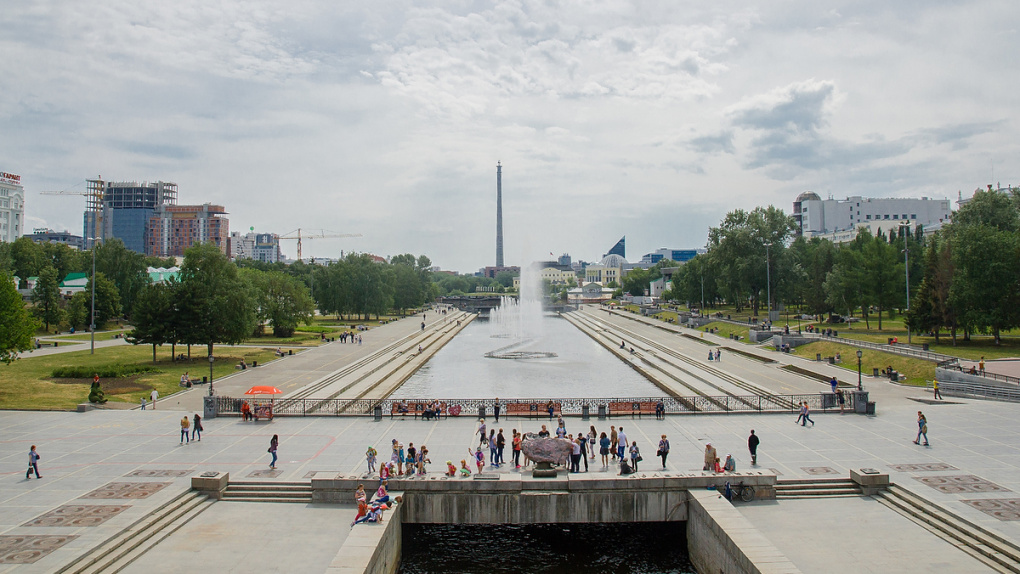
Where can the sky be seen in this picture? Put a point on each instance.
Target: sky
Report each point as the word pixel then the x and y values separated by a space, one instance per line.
pixel 649 120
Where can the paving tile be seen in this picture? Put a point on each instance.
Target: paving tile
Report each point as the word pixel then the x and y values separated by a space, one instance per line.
pixel 960 484
pixel 78 515
pixel 28 549
pixel 1005 509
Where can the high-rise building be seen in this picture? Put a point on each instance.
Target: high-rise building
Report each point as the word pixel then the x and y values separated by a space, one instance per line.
pixel 816 216
pixel 678 255
pixel 121 210
pixel 499 214
pixel 174 228
pixel 12 206
pixel 258 246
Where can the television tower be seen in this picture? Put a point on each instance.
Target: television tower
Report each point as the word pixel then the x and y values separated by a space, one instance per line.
pixel 499 214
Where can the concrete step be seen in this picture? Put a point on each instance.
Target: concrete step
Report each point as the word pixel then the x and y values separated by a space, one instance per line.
pixel 818 485
pixel 302 500
pixel 267 488
pixel 815 493
pixel 137 538
pixel 232 494
pixel 816 496
pixel 795 481
pixel 986 546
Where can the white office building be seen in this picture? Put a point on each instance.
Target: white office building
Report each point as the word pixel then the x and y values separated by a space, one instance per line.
pixel 263 247
pixel 819 217
pixel 12 207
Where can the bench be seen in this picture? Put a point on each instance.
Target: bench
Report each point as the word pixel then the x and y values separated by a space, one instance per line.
pixel 417 409
pixel 532 410
pixel 634 408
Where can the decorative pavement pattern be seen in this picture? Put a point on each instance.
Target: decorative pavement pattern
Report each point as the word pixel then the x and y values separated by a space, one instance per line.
pixel 30 548
pixel 960 484
pixel 131 490
pixel 818 470
pixel 265 473
pixel 158 473
pixel 314 472
pixel 78 515
pixel 923 467
pixel 1001 508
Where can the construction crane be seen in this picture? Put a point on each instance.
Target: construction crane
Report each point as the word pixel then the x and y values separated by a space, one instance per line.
pixel 315 234
pixel 93 207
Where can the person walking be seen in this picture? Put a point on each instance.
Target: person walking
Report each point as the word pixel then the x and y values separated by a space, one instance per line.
pixel 800 416
pixel 495 409
pixel 833 383
pixel 274 443
pixel 718 355
pixel 635 455
pixel 807 415
pixel 481 432
pixel 934 384
pixel 143 403
pixel 33 463
pixel 370 457
pixel 196 428
pixel 622 443
pixel 663 451
pixel 185 423
pixel 922 428
pixel 152 398
pixel 752 447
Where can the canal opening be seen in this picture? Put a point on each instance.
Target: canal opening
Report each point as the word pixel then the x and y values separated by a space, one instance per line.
pixel 562 548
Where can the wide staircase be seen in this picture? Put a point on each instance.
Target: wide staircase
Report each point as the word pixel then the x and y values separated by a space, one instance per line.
pixel 265 491
pixel 120 550
pixel 992 549
pixel 817 488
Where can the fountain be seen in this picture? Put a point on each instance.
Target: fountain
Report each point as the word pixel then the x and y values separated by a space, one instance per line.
pixel 520 319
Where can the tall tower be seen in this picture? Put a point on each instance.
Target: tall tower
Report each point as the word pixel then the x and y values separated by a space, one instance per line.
pixel 499 214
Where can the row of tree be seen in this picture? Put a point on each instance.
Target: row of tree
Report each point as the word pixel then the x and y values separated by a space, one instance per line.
pixel 965 276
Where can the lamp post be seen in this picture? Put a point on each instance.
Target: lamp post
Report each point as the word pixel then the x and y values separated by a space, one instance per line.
pixel 768 281
pixel 92 320
pixel 906 264
pixel 210 374
pixel 860 387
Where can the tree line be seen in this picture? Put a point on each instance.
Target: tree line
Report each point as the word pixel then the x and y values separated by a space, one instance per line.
pixel 963 277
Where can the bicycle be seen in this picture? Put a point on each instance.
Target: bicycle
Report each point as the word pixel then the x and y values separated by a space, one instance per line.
pixel 745 492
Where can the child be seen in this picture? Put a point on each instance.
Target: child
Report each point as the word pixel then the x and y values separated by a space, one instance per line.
pixel 359 494
pixel 718 468
pixel 370 455
pixel 450 469
pixel 384 471
pixel 464 470
pixel 479 458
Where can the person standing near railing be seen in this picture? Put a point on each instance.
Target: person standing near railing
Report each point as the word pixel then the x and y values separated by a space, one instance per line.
pixel 935 386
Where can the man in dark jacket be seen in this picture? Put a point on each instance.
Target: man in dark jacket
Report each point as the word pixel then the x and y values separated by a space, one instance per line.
pixel 752 445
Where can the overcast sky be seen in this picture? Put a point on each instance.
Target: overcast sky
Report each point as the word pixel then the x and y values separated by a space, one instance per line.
pixel 644 119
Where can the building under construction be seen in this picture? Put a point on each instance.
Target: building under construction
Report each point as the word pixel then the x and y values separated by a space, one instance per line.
pixel 122 210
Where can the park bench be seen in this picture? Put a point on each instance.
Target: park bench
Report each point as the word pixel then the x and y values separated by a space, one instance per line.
pixel 416 409
pixel 632 408
pixel 532 410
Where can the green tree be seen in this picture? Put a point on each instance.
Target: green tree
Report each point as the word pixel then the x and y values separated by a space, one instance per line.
pixel 844 285
pixel 27 258
pixel 125 268
pixel 882 272
pixel 280 300
pixel 506 278
pixel 154 311
pixel 107 299
pixel 46 297
pixel 215 301
pixel 77 312
pixel 636 282
pixel 16 325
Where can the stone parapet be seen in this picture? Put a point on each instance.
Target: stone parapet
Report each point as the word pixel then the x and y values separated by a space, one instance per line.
pixel 211 483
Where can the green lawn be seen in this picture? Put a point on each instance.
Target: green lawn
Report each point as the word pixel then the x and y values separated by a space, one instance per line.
pixel 918 371
pixel 726 329
pixel 26 383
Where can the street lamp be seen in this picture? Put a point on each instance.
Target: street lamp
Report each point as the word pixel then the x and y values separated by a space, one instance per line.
pixel 768 281
pixel 210 374
pixel 92 326
pixel 906 264
pixel 860 387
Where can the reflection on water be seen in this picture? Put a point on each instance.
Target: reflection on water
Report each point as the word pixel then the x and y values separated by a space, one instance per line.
pixel 581 368
pixel 617 548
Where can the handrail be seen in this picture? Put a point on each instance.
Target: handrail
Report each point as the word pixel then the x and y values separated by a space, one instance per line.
pixel 764 403
pixel 957 388
pixel 897 349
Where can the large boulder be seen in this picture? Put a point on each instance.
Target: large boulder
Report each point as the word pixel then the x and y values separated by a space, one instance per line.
pixel 554 450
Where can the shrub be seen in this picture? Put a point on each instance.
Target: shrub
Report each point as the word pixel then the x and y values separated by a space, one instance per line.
pixel 105 371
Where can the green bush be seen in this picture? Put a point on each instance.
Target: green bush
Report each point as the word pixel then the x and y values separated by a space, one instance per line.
pixel 106 372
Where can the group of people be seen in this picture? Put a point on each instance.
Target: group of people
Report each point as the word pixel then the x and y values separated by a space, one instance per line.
pixel 496 443
pixel 194 429
pixel 372 510
pixel 403 462
pixel 262 410
pixel 717 355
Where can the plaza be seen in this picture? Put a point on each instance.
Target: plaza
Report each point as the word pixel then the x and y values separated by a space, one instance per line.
pixel 106 470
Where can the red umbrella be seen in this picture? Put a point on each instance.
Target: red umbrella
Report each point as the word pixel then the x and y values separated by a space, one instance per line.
pixel 263 390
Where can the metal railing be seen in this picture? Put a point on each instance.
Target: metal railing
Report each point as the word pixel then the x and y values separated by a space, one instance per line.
pixel 994 392
pixel 954 365
pixel 897 349
pixel 820 402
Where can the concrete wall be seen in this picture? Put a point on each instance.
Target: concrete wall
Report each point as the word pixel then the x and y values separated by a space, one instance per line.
pixel 371 548
pixel 720 540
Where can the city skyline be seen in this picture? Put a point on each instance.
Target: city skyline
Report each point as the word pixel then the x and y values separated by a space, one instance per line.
pixel 649 120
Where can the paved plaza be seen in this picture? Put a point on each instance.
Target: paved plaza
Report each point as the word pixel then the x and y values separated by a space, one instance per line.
pixel 103 470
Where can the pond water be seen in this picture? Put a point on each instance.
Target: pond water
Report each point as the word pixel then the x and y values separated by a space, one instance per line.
pixel 581 367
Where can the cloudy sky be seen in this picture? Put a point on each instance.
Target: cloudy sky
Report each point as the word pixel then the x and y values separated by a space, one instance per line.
pixel 386 118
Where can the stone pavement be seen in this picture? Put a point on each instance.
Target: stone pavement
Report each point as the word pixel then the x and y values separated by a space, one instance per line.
pixel 85 452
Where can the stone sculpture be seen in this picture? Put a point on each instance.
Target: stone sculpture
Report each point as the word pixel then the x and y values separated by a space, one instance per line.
pixel 546 452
